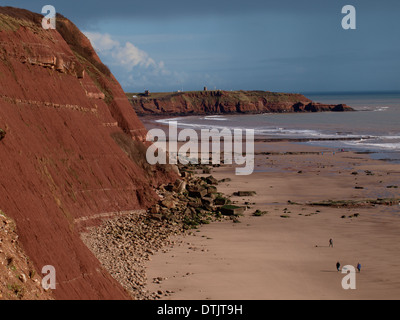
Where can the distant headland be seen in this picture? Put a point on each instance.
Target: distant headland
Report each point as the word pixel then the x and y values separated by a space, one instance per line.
pixel 225 102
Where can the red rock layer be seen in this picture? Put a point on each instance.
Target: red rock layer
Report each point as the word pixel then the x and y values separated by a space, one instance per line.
pixel 59 163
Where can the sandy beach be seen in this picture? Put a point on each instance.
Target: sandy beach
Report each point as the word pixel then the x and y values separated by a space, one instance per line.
pixel 285 253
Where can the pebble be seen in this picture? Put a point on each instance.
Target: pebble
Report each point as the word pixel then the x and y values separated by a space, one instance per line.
pixel 22 277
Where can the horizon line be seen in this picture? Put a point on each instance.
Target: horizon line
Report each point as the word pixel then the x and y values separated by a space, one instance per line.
pixel 348 92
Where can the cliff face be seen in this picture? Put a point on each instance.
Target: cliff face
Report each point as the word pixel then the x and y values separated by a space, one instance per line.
pixel 18 278
pixel 71 149
pixel 217 102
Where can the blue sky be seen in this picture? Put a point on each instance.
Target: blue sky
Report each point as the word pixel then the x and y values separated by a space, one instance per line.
pixel 286 45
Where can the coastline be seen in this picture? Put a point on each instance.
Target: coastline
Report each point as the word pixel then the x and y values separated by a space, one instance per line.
pixel 284 254
pixel 212 102
pixel 359 143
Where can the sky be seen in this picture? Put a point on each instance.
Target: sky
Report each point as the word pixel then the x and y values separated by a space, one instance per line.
pixel 286 46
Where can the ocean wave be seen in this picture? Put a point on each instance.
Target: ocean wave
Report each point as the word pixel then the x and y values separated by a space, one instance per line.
pixel 217 118
pixel 261 131
pixel 286 132
pixel 304 133
pixel 166 121
pixel 380 109
pixel 374 145
pixel 391 141
pixel 388 137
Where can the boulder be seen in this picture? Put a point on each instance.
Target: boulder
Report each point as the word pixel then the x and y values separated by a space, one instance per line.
pixel 220 201
pixel 186 174
pixel 212 195
pixel 155 209
pixel 179 186
pixel 230 210
pixel 245 193
pixel 194 204
pixel 207 201
pixel 212 189
pixel 206 170
pixel 211 180
pixel 175 169
pixel 155 217
pixel 168 203
pixel 197 191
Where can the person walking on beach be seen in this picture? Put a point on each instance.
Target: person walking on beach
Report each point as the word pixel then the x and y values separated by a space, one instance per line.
pixel 331 243
pixel 338 266
pixel 359 267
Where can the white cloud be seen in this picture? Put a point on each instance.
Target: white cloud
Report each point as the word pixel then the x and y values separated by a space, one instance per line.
pixel 131 56
pixel 101 42
pixel 125 55
pixel 134 68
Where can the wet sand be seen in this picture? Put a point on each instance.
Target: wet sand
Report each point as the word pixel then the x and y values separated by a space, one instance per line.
pixel 285 254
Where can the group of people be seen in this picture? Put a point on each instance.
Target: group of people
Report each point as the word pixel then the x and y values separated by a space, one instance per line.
pixel 338 263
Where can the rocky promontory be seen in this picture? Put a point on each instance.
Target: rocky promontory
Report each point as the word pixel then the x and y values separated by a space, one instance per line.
pixel 226 102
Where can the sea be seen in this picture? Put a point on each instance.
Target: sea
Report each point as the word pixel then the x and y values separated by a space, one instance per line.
pixel 373 129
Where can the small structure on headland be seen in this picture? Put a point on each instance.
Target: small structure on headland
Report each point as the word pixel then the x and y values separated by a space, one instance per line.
pixel 147 93
pixel 205 89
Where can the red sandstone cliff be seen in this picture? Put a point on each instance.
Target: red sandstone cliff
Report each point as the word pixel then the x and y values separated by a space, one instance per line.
pixel 71 149
pixel 220 102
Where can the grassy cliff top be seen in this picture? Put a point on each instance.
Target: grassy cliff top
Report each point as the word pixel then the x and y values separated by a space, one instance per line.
pixel 245 96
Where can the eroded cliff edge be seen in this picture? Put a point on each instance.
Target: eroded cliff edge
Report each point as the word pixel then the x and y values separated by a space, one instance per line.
pixel 71 151
pixel 226 102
